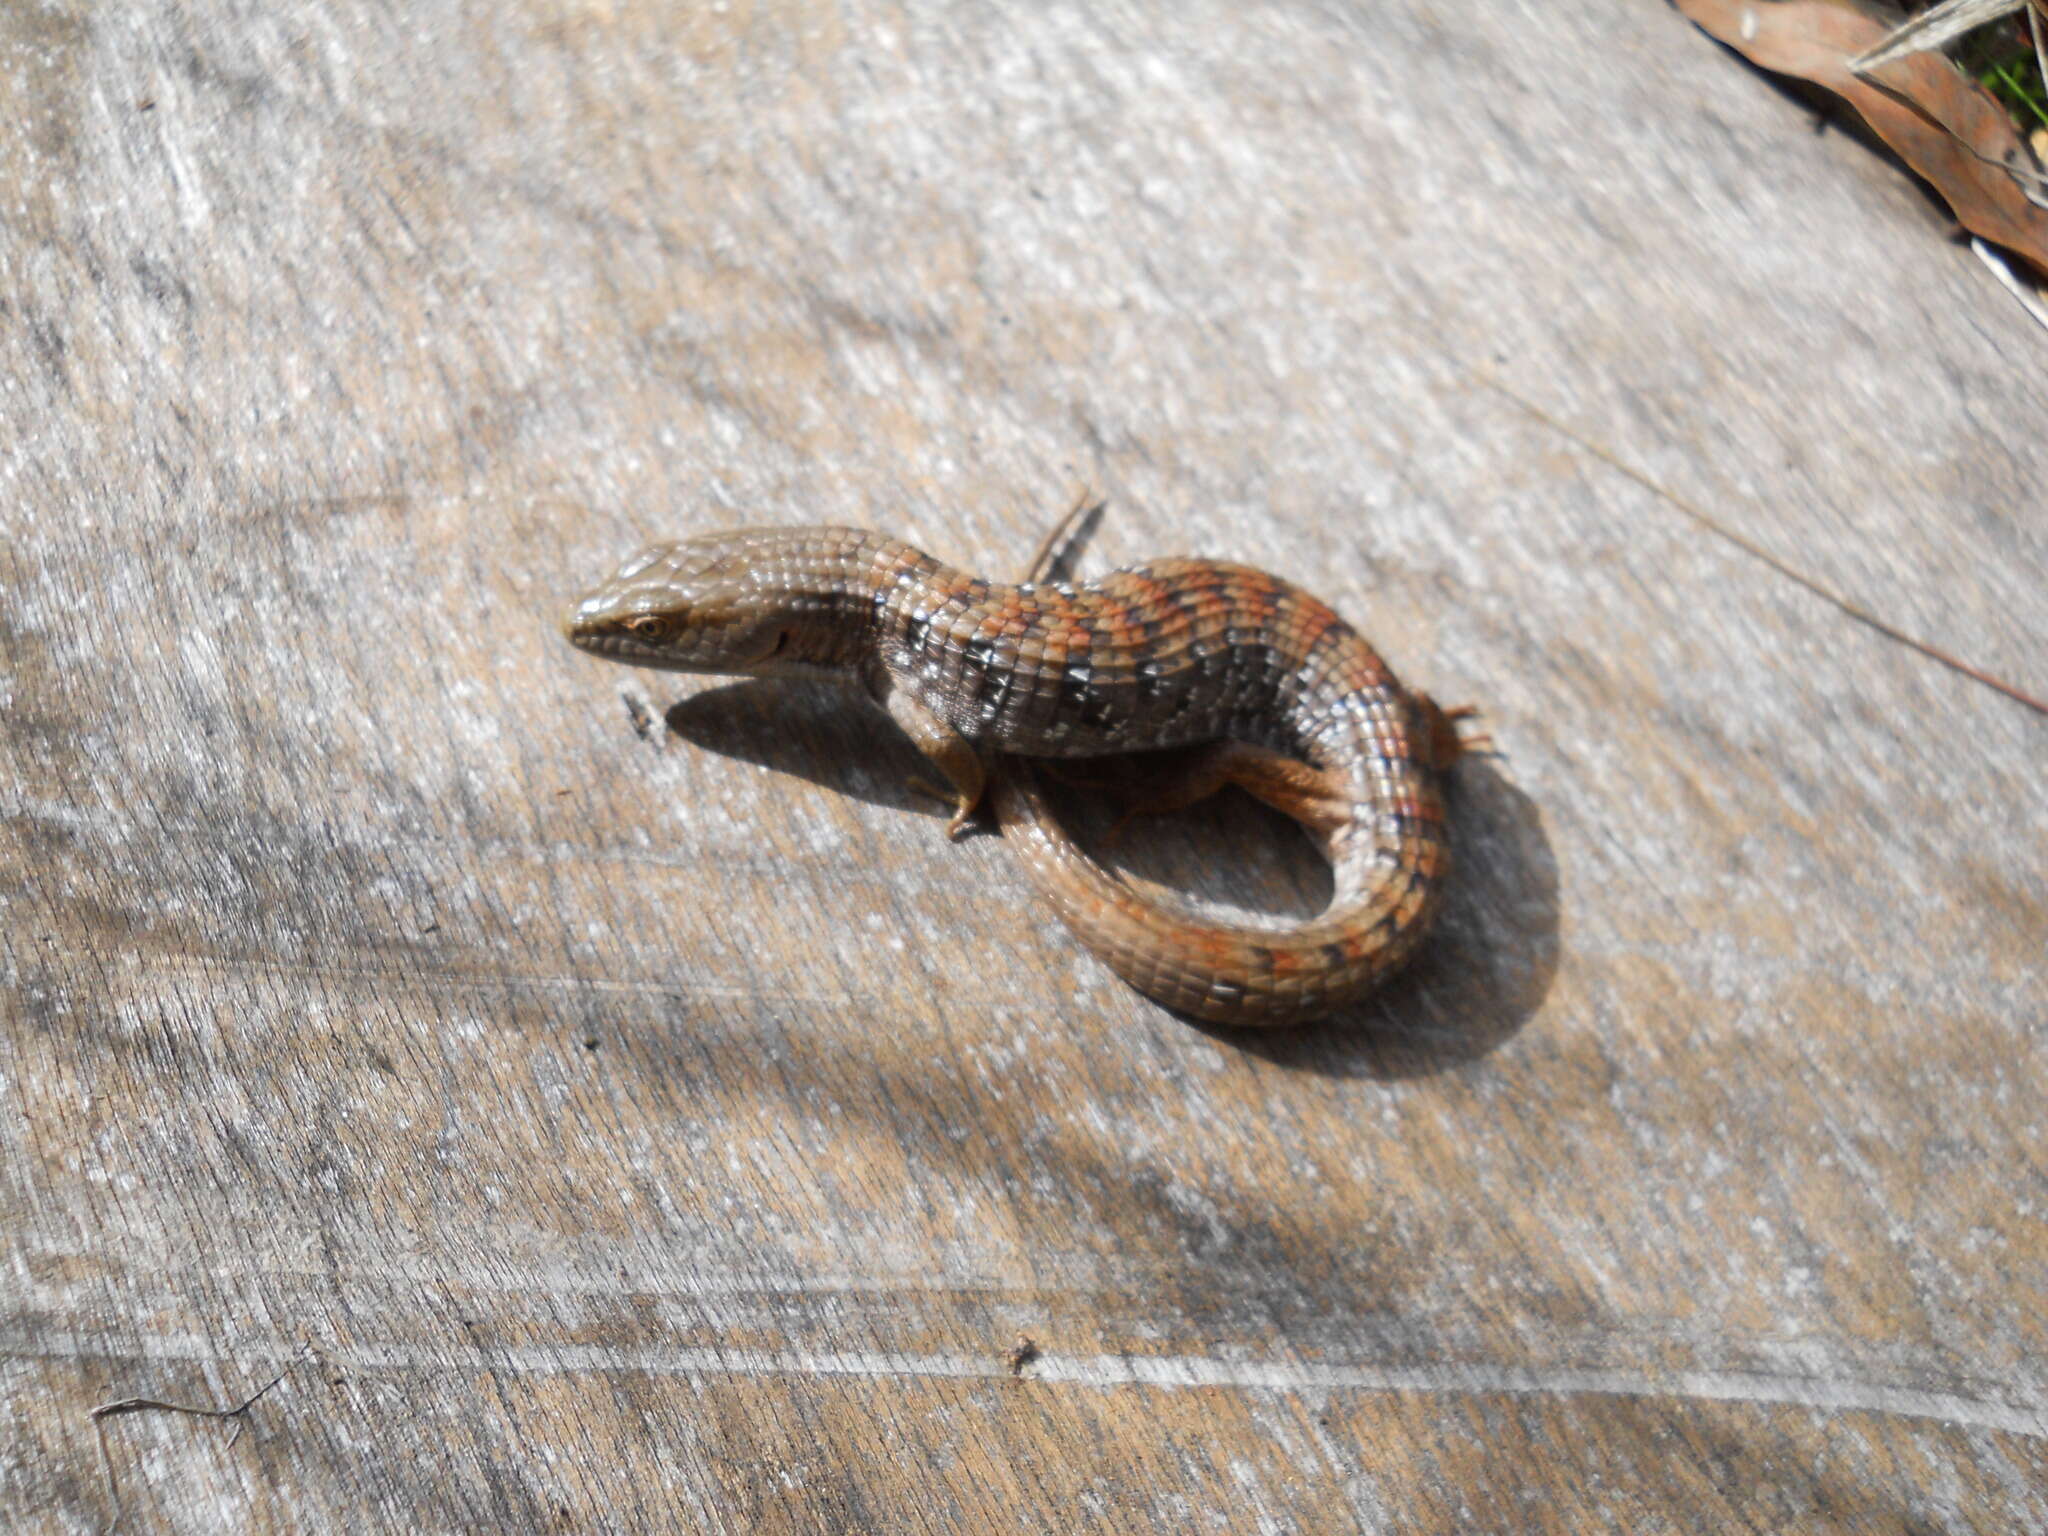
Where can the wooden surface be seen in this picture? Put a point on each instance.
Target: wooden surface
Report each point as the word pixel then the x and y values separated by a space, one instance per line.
pixel 589 1131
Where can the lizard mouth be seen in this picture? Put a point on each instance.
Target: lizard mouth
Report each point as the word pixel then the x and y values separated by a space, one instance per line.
pixel 593 637
pixel 602 638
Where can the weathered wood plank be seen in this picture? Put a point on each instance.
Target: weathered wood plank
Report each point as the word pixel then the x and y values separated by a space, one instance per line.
pixel 601 1128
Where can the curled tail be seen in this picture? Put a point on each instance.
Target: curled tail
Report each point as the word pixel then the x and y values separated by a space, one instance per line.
pixel 1389 850
pixel 1381 823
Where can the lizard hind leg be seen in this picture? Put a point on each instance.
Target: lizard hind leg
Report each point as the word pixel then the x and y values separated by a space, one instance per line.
pixel 1318 800
pixel 1060 552
pixel 1443 736
pixel 1290 786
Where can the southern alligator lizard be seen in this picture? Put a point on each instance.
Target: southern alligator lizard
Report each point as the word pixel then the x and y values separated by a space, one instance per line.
pixel 1292 703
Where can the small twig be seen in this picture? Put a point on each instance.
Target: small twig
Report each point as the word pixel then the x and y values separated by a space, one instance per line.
pixel 2002 270
pixel 1933 29
pixel 146 1404
pixel 1758 552
pixel 127 1405
pixel 2034 15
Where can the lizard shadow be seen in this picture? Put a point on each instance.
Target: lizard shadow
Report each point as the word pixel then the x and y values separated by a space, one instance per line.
pixel 822 732
pixel 1229 854
pixel 1479 978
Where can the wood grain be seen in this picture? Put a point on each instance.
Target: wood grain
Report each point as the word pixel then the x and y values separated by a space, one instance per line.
pixel 649 1124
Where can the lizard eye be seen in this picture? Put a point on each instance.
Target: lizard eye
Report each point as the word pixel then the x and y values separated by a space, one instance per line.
pixel 647 626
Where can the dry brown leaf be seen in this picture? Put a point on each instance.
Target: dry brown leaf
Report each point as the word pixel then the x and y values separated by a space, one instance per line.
pixel 1939 121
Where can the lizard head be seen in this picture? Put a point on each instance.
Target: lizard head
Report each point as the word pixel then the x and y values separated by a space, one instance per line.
pixel 722 603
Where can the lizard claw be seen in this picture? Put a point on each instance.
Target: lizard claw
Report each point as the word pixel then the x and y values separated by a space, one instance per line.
pixel 963 821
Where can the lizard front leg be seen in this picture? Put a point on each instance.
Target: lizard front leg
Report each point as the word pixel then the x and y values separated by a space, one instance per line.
pixel 947 750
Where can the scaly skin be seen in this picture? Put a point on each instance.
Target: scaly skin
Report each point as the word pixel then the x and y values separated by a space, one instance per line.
pixel 1296 707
